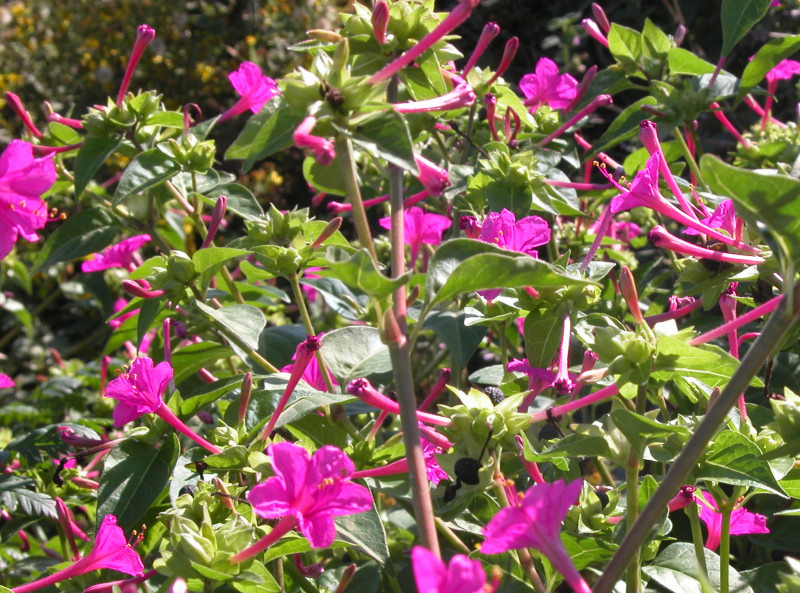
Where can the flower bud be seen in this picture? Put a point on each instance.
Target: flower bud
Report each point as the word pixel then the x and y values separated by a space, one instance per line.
pixel 380 20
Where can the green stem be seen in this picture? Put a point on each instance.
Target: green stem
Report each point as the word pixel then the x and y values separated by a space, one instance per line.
pixel 297 578
pixel 687 154
pixel 299 298
pixel 451 537
pixel 633 581
pixel 699 551
pixel 344 149
pixel 777 325
pixel 725 549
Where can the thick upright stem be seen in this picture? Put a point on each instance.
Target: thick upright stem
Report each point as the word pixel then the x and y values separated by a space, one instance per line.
pixel 777 325
pixel 725 549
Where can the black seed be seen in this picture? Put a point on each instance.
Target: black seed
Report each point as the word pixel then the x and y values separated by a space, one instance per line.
pixel 467 470
pixel 450 492
pixel 189 489
pixel 495 394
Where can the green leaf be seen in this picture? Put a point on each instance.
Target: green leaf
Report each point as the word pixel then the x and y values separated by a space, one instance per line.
pixel 625 45
pixel 357 270
pixel 762 199
pixel 267 132
pixel 766 58
pixel 386 135
pixel 206 394
pixel 738 17
pixel 656 42
pixel 146 170
pixel 574 445
pixel 211 256
pixel 466 265
pixel 243 321
pixel 240 200
pixel 355 351
pixel 91 156
pixel 461 340
pixel 641 430
pixel 365 531
pixel 165 119
pixel 81 234
pixel 683 61
pixel 16 493
pixel 624 126
pixel 188 360
pixel 675 569
pixel 735 459
pixel 135 475
pixel 327 178
pixel 542 331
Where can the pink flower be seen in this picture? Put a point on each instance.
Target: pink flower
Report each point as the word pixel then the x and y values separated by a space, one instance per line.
pixel 547 87
pixel 22 180
pixel 253 87
pixel 312 373
pixel 322 147
pixel 306 492
pixel 524 235
pixel 420 227
pixel 119 305
pixel 784 70
pixel 742 521
pixel 723 218
pixel 432 177
pixel 536 523
pixel 660 237
pixel 433 470
pixel 140 391
pixel 6 381
pixel 432 575
pixel 682 499
pixel 121 255
pixel 111 550
pixel 461 96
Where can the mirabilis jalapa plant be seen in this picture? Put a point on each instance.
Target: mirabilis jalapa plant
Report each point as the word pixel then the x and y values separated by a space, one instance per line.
pixel 295 484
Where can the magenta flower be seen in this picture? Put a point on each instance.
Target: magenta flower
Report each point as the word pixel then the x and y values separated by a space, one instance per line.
pixel 595 32
pixel 111 550
pixel 119 305
pixel 420 227
pixel 22 180
pixel 524 235
pixel 305 492
pixel 723 218
pixel 660 237
pixel 312 373
pixel 536 523
pixel 6 381
pixel 121 255
pixel 322 147
pixel 432 177
pixel 461 96
pixel 253 87
pixel 547 87
pixel 783 70
pixel 140 391
pixel 461 575
pixel 742 521
pixel 682 499
pixel 144 35
pixel 433 470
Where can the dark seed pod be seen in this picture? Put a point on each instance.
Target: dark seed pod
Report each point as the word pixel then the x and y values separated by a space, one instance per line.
pixel 450 492
pixel 189 489
pixel 495 394
pixel 602 496
pixel 467 470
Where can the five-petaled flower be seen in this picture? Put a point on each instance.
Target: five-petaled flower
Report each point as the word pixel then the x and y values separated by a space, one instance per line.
pixel 535 523
pixel 120 255
pixel 307 492
pixel 742 521
pixel 6 381
pixel 545 86
pixel 461 575
pixel 111 550
pixel 253 87
pixel 420 227
pixel 23 179
pixel 140 390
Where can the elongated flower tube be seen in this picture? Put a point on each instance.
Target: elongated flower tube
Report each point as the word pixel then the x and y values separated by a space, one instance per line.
pixel 339 207
pixel 305 492
pixel 563 383
pixel 111 550
pixel 217 216
pixel 461 96
pixel 595 103
pixel 124 584
pixel 490 103
pixel 457 16
pixel 433 470
pixel 55 117
pixel 441 382
pixel 676 310
pixel 536 523
pixel 144 35
pixel 531 466
pixel 783 70
pixel 648 134
pixel 380 20
pixel 16 105
pixel 727 304
pixel 134 288
pixel 726 123
pixel 660 237
pixel 120 255
pixel 509 52
pixel 594 31
pixel 489 32
pixel 139 391
pixel 460 575
pixel 432 177
pixel 363 390
pixel 322 147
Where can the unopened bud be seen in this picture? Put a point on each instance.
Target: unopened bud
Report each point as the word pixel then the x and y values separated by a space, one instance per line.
pixel 327 232
pixel 627 286
pixel 325 35
pixel 380 20
pixel 600 17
